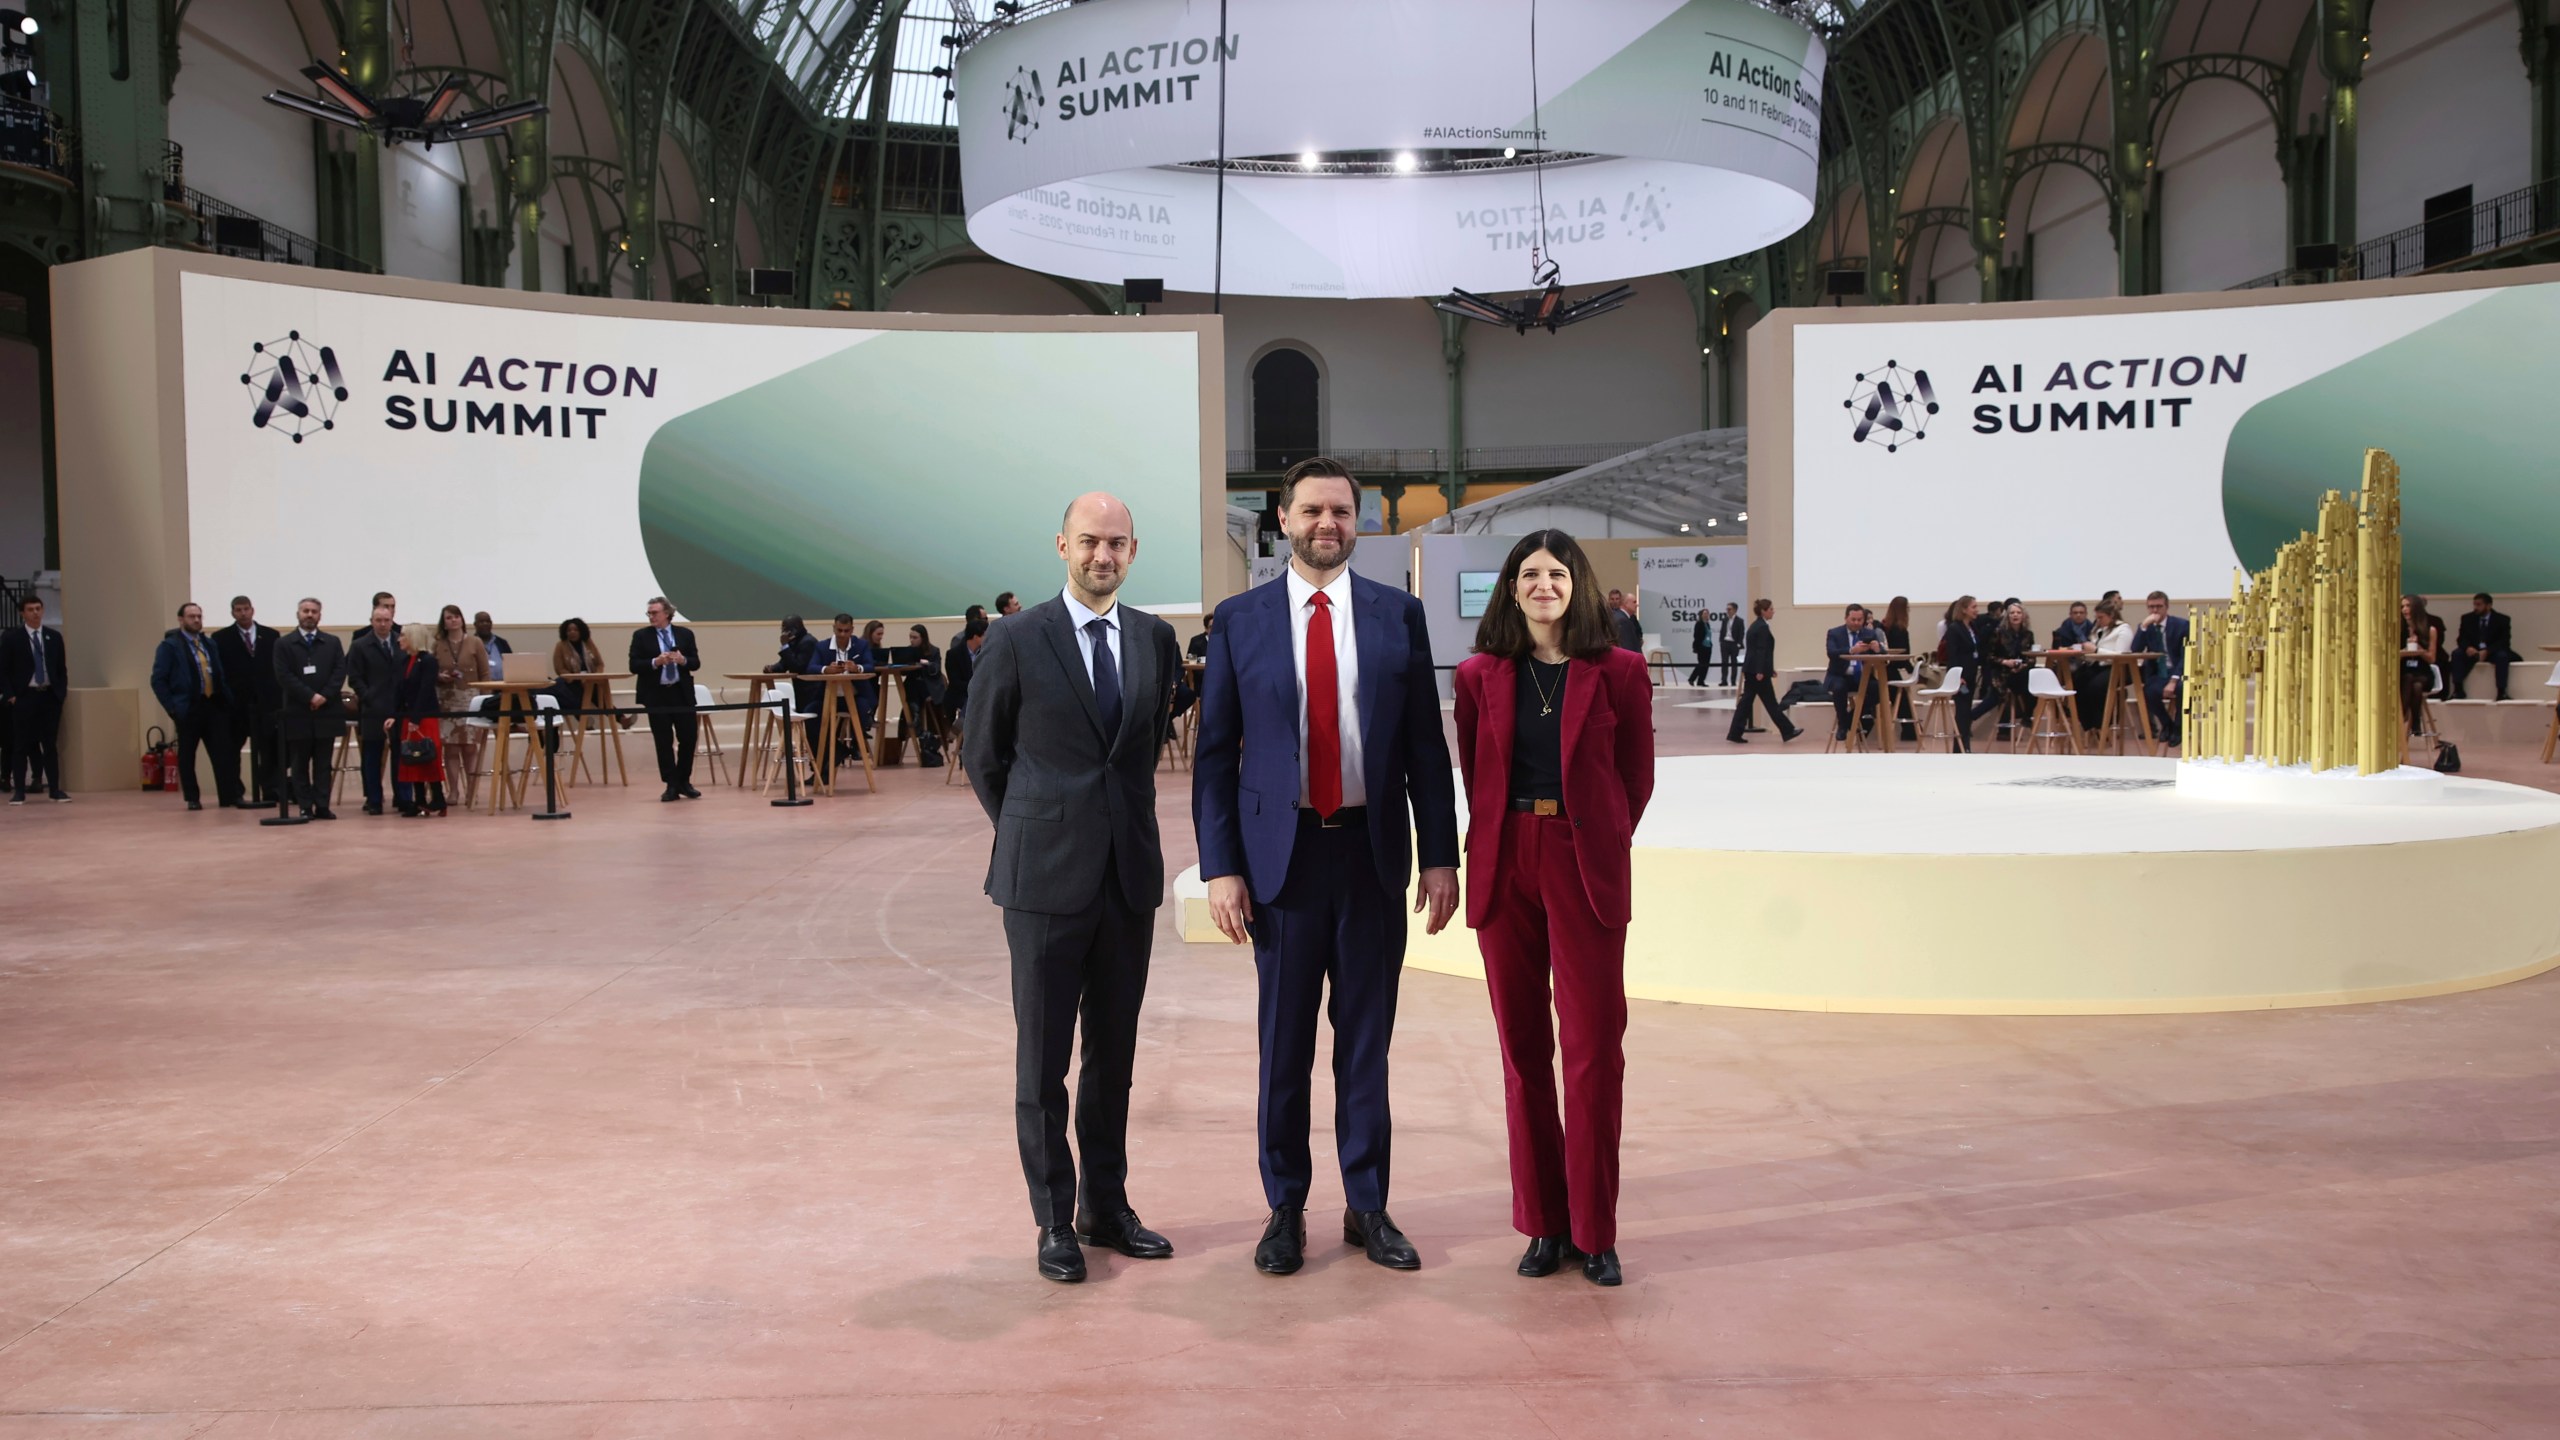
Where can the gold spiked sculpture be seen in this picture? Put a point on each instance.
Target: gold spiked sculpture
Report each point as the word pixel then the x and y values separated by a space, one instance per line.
pixel 2319 631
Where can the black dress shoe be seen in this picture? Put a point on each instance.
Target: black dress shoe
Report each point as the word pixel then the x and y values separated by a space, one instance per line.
pixel 1284 1242
pixel 1545 1255
pixel 1372 1231
pixel 1602 1269
pixel 195 804
pixel 1788 735
pixel 373 807
pixel 1121 1231
pixel 668 796
pixel 1737 739
pixel 324 814
pixel 688 792
pixel 1060 1257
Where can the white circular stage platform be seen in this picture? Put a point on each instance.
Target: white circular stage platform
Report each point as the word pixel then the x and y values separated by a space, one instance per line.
pixel 2017 885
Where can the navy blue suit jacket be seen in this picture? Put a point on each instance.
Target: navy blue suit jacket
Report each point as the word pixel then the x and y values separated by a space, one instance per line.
pixel 2148 641
pixel 173 675
pixel 1835 647
pixel 1244 785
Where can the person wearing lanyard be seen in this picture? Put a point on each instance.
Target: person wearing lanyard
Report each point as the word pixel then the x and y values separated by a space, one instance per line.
pixel 189 683
pixel 1555 742
pixel 311 668
pixel 663 661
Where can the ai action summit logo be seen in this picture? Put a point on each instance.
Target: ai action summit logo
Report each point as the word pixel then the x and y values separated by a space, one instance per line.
pixel 1022 104
pixel 294 385
pixel 1891 407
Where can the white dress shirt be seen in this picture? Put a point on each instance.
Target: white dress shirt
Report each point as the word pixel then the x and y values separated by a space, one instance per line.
pixel 1346 683
pixel 1080 617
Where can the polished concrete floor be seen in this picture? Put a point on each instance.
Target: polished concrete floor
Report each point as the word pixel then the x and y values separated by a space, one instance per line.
pixel 694 1121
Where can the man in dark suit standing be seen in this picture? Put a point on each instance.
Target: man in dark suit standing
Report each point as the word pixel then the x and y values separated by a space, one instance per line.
pixel 311 668
pixel 2164 635
pixel 188 680
pixel 33 685
pixel 1319 714
pixel 246 651
pixel 663 660
pixel 1759 666
pixel 2483 638
pixel 373 671
pixel 1702 649
pixel 1732 642
pixel 1069 706
pixel 1843 644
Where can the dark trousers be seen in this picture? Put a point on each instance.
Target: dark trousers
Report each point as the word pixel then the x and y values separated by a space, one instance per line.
pixel 1333 924
pixel 1727 665
pixel 1093 965
pixel 34 764
pixel 1757 689
pixel 259 730
pixel 206 725
pixel 1973 702
pixel 2464 662
pixel 1842 699
pixel 1564 1178
pixel 673 733
pixel 373 749
pixel 306 769
pixel 2163 708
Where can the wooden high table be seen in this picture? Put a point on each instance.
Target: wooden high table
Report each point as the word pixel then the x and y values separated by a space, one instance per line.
pixel 516 705
pixel 896 680
pixel 2122 666
pixel 1875 670
pixel 595 693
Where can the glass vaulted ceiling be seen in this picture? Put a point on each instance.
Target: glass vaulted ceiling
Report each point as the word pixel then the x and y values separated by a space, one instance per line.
pixel 815 42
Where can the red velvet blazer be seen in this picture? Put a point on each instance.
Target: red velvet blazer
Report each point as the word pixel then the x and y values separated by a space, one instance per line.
pixel 1608 771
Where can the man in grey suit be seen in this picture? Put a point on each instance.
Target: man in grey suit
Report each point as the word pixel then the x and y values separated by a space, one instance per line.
pixel 1068 708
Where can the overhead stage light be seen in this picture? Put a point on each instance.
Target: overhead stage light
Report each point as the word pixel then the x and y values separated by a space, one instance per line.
pixel 1547 310
pixel 427 119
pixel 1405 162
pixel 1510 152
pixel 1308 160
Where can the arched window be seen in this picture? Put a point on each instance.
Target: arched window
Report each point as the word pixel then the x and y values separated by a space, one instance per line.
pixel 1284 409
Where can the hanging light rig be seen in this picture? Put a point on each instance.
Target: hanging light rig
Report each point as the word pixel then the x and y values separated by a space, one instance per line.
pixel 1546 310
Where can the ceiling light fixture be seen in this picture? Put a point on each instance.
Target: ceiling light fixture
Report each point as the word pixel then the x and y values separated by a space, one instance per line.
pixel 427 119
pixel 1405 162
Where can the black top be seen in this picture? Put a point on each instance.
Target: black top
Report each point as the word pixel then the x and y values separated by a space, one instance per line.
pixel 1537 739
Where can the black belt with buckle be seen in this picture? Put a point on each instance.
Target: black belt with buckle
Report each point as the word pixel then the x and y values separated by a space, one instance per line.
pixel 1527 806
pixel 1342 819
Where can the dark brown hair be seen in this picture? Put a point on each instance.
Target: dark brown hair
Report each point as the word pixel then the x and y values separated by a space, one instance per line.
pixel 1504 630
pixel 1317 467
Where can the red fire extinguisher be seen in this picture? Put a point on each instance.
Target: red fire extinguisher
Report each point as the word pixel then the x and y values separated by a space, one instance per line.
pixel 159 762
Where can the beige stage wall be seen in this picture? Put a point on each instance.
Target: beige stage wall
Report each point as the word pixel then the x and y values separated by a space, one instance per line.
pixel 1800 628
pixel 121 457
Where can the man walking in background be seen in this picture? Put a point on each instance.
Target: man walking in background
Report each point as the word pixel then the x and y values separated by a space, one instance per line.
pixel 1069 706
pixel 663 660
pixel 1759 666
pixel 1319 713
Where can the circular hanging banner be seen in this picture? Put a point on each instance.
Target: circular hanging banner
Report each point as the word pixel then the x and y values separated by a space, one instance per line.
pixel 1088 138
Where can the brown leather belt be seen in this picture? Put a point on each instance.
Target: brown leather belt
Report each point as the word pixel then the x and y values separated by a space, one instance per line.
pixel 1527 806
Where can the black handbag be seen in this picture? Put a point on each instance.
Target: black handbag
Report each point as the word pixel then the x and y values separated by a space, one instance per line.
pixel 2448 759
pixel 415 749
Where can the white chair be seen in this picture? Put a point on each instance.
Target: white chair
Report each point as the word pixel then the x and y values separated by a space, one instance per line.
pixel 709 741
pixel 1655 652
pixel 2053 721
pixel 781 708
pixel 2551 738
pixel 1937 707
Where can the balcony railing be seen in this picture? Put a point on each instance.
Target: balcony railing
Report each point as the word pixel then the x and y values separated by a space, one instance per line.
pixel 2446 241
pixel 34 138
pixel 1430 460
pixel 229 230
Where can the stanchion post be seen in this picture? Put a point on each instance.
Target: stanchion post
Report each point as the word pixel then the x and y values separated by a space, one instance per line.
pixel 283 782
pixel 550 773
pixel 791 796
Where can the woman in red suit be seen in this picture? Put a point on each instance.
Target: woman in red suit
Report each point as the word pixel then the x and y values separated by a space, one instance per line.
pixel 1555 742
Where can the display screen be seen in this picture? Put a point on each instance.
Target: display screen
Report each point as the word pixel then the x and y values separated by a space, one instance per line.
pixel 1475 592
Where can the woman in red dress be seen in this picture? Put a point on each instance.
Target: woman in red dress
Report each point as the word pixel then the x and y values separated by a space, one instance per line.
pixel 1555 742
pixel 414 718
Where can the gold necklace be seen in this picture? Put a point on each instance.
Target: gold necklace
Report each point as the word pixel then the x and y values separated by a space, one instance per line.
pixel 1546 702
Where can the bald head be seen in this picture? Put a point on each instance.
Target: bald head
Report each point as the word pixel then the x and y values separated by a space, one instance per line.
pixel 1098 539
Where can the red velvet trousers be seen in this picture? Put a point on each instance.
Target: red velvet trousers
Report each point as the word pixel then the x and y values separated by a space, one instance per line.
pixel 1540 933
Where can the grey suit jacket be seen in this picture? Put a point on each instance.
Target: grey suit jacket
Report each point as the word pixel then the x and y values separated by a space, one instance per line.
pixel 1067 799
pixel 374 674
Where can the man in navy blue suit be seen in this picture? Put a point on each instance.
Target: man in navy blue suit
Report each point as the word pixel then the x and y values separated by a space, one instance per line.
pixel 2164 635
pixel 1842 645
pixel 1321 768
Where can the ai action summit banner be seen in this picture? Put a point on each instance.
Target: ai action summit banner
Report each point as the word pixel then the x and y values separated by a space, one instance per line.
pixel 1686 130
pixel 539 465
pixel 2059 456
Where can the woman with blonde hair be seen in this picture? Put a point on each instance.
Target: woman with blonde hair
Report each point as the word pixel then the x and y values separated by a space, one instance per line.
pixel 417 749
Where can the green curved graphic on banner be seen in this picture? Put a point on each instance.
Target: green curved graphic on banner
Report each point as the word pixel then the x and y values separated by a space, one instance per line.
pixel 2458 403
pixel 918 472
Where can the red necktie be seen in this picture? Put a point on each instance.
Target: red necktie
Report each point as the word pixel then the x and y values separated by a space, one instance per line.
pixel 1324 713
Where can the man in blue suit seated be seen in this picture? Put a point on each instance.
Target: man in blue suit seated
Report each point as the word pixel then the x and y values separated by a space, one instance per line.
pixel 841 653
pixel 1321 767
pixel 2164 635
pixel 1843 644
